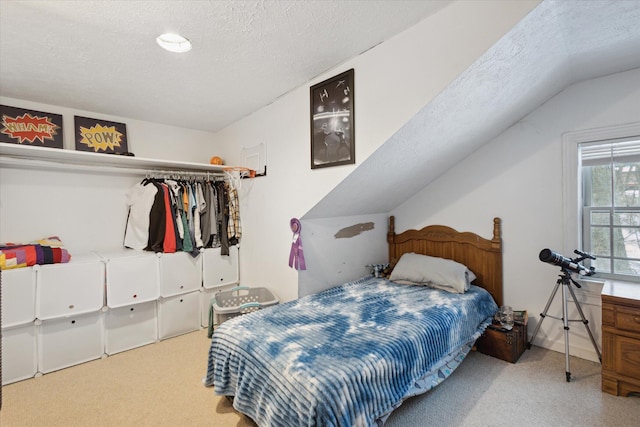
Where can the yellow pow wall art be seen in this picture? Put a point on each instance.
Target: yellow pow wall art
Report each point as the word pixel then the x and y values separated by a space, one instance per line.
pixel 100 136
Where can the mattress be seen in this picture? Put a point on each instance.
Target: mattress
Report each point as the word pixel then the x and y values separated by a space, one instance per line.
pixel 345 356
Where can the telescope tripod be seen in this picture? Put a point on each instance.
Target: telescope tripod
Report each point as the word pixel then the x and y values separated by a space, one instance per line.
pixel 565 280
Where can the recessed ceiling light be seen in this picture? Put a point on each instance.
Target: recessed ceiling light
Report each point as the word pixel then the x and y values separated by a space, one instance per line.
pixel 173 43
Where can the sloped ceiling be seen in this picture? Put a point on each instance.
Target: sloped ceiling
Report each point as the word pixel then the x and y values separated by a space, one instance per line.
pixel 101 56
pixel 557 44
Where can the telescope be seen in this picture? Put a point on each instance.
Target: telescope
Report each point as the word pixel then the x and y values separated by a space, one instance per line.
pixel 568 264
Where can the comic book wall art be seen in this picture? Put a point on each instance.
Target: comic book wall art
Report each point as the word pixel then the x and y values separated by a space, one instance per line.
pixel 30 127
pixel 100 136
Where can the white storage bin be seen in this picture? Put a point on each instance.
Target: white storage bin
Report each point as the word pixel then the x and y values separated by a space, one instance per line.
pixel 180 273
pixel 241 300
pixel 73 288
pixel 70 341
pixel 131 326
pixel 19 296
pixel 220 270
pixel 178 314
pixel 205 299
pixel 132 277
pixel 19 355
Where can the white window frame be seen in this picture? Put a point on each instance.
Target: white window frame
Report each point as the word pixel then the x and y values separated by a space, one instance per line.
pixel 571 176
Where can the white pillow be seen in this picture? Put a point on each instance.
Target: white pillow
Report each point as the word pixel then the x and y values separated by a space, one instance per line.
pixel 445 274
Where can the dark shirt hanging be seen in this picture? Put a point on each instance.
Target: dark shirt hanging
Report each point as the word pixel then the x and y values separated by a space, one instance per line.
pixel 157 221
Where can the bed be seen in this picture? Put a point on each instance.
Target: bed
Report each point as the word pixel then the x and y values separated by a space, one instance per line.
pixel 352 354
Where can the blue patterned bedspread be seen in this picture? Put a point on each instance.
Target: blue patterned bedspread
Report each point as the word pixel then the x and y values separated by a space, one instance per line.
pixel 342 357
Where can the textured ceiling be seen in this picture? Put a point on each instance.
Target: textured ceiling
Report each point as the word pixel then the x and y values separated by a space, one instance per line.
pixel 101 56
pixel 557 44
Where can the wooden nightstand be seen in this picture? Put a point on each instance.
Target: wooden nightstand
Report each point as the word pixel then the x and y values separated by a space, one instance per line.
pixel 621 338
pixel 504 344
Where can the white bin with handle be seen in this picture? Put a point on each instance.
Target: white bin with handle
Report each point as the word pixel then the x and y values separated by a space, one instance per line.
pixel 238 301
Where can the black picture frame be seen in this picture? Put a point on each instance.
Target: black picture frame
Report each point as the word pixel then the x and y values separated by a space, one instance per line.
pixel 30 127
pixel 332 121
pixel 100 136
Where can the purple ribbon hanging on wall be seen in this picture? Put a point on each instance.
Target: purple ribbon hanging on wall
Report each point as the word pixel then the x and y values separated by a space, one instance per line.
pixel 296 257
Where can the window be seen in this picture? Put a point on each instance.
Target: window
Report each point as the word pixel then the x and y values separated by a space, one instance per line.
pixel 590 223
pixel 610 184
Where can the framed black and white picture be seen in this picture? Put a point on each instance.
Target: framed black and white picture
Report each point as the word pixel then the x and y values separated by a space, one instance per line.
pixel 332 121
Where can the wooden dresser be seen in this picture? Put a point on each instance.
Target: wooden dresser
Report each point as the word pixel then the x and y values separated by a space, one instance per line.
pixel 621 338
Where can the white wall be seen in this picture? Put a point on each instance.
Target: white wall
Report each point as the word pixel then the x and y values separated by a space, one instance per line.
pixel 86 210
pixel 392 82
pixel 339 250
pixel 518 177
pixel 145 139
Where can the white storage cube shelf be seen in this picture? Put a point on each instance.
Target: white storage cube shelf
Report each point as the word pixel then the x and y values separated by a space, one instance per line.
pixel 19 354
pixel 178 315
pixel 219 270
pixel 180 273
pixel 72 288
pixel 131 326
pixel 70 341
pixel 19 296
pixel 132 277
pixel 54 316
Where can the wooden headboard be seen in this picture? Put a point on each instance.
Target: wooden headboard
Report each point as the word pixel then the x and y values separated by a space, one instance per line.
pixel 480 255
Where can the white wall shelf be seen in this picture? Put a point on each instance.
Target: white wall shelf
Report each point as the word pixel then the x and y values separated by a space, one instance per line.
pixel 25 156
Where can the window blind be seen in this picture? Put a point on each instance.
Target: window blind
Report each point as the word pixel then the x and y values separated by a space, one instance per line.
pixel 622 150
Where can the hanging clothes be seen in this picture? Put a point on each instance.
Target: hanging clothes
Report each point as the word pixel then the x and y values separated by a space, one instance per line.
pixel 169 242
pixel 140 199
pixel 157 222
pixel 183 201
pixel 199 207
pixel 174 190
pixel 235 230
pixel 223 218
pixel 205 220
pixel 171 215
pixel 213 216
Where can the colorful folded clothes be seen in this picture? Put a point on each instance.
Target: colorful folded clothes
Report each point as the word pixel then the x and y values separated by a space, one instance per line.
pixel 44 251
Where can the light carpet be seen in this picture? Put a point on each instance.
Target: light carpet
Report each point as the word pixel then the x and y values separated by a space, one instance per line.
pixel 160 385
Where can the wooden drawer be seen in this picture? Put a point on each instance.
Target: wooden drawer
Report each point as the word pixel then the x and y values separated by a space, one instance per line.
pixel 627 319
pixel 627 356
pixel 621 338
pixel 608 314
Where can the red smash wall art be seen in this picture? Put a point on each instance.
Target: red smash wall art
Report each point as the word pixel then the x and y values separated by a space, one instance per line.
pixel 29 127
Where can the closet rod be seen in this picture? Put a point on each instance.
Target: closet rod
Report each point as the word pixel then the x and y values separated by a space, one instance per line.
pixel 22 163
pixel 169 173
